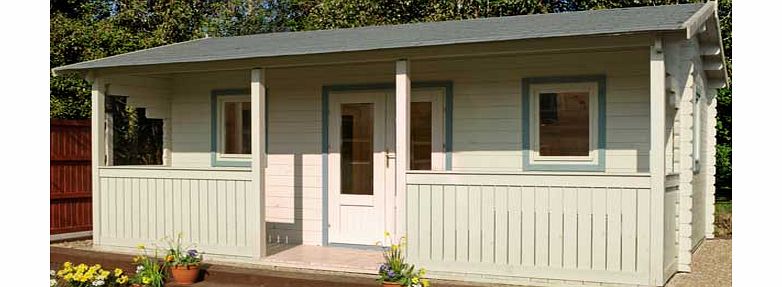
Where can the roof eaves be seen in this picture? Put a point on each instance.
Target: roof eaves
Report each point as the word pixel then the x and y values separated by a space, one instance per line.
pixel 75 67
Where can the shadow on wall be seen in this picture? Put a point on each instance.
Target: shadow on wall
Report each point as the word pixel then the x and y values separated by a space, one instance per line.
pixel 285 227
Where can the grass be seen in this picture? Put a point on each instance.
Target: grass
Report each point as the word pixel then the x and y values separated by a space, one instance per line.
pixel 723 207
pixel 723 225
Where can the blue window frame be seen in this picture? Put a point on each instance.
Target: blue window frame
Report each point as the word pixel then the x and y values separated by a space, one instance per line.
pixel 539 104
pixel 219 98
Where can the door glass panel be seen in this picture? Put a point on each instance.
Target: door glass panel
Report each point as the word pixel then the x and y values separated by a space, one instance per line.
pixel 421 135
pixel 356 149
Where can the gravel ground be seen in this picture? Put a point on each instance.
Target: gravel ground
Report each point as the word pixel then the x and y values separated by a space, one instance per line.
pixel 711 266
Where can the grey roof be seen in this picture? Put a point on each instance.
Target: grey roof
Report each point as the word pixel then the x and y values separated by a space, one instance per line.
pixel 626 20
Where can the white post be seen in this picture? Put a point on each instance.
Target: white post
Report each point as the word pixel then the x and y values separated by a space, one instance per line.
pixel 657 98
pixel 258 141
pixel 98 129
pixel 402 142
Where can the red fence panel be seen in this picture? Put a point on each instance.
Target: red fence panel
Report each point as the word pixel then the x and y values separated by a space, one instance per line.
pixel 70 182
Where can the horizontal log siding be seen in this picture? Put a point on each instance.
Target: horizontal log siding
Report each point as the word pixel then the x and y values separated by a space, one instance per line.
pixel 565 226
pixel 211 208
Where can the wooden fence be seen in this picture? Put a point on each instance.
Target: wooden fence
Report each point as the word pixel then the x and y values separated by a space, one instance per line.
pixel 70 180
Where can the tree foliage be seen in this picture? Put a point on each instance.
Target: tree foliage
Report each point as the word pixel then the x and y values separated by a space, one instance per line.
pixel 89 29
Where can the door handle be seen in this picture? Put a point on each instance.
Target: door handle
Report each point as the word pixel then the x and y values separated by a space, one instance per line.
pixel 389 156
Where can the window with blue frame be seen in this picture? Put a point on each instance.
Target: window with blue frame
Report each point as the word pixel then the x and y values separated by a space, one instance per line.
pixel 231 128
pixel 564 123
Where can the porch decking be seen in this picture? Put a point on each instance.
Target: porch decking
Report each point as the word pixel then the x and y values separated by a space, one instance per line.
pixel 288 265
pixel 324 258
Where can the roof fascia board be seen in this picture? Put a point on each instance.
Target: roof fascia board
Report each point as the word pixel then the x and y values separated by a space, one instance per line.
pixel 528 46
pixel 693 24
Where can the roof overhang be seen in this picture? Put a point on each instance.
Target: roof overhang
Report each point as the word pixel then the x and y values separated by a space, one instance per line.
pixel 704 26
pixel 697 20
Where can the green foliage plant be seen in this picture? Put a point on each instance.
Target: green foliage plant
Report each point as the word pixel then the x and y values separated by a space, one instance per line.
pixel 179 255
pixel 395 269
pixel 149 270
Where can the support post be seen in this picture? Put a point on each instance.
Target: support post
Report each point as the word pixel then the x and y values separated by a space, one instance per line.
pixel 98 129
pixel 258 149
pixel 402 142
pixel 657 98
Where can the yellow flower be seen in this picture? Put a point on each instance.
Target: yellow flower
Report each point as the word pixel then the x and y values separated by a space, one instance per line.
pixel 425 282
pixel 117 272
pixel 169 258
pixel 140 246
pixel 416 280
pixel 67 264
pixel 136 259
pixel 122 280
pixel 422 272
pixel 386 234
pixel 146 280
pixel 394 247
pixel 95 267
pixel 68 277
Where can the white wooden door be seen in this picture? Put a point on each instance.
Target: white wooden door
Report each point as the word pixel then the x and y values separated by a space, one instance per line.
pixel 357 167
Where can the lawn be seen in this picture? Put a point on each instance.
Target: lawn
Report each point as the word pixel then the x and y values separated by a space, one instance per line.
pixel 723 227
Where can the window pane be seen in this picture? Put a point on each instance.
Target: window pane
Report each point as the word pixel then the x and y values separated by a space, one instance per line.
pixel 236 124
pixel 421 135
pixel 246 124
pixel 356 149
pixel 564 124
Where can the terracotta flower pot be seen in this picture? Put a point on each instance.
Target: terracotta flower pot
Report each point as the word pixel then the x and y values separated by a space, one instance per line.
pixel 391 284
pixel 185 275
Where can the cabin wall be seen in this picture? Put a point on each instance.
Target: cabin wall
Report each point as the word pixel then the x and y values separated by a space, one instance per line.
pixel 487 120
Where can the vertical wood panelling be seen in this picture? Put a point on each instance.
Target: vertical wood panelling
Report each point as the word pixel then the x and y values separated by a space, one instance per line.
pixel 555 228
pixel 643 235
pixel 462 223
pixel 487 224
pixel 584 236
pixel 449 223
pixel 437 223
pixel 70 178
pixel 570 243
pixel 528 226
pixel 211 213
pixel 567 228
pixel 412 221
pixel 599 229
pixel 425 222
pixel 628 230
pixel 501 225
pixel 614 230
pixel 514 225
pixel 474 248
pixel 143 208
pixel 541 226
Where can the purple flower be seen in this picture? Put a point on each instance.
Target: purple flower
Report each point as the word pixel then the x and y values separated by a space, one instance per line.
pixel 192 253
pixel 384 267
pixel 391 273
